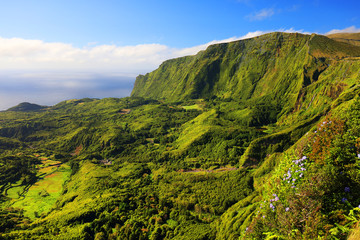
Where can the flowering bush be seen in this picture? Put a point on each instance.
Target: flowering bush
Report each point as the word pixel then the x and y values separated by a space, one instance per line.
pixel 323 137
pixel 311 196
pixel 314 193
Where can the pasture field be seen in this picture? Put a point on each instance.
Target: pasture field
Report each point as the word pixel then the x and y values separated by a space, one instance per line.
pixel 40 197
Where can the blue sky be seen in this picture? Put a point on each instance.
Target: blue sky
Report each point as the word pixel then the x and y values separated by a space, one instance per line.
pixel 184 23
pixel 50 50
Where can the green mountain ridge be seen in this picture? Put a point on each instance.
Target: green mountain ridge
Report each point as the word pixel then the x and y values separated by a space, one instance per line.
pixel 352 38
pixel 226 70
pixel 253 139
pixel 26 107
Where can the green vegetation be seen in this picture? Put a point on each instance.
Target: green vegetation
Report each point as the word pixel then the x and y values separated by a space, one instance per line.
pixel 254 139
pixel 41 196
pixel 352 38
pixel 26 107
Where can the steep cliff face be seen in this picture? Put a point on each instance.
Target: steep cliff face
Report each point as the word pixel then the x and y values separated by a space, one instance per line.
pixel 272 67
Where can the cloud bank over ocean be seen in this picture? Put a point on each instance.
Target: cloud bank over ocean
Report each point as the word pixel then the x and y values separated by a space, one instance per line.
pixel 49 88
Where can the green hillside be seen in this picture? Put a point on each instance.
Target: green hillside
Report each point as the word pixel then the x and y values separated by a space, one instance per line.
pixel 26 107
pixel 274 66
pixel 352 38
pixel 253 139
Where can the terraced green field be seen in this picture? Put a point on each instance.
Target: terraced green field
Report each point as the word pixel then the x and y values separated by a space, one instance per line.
pixel 39 197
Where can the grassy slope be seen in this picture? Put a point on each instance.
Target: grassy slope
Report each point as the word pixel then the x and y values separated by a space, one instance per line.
pixel 352 38
pixel 41 197
pixel 272 67
pixel 274 71
pixel 224 70
pixel 92 186
pixel 330 76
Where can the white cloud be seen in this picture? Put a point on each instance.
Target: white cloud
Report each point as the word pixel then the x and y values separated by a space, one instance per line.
pixel 261 15
pixel 292 30
pixel 16 53
pixel 351 29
